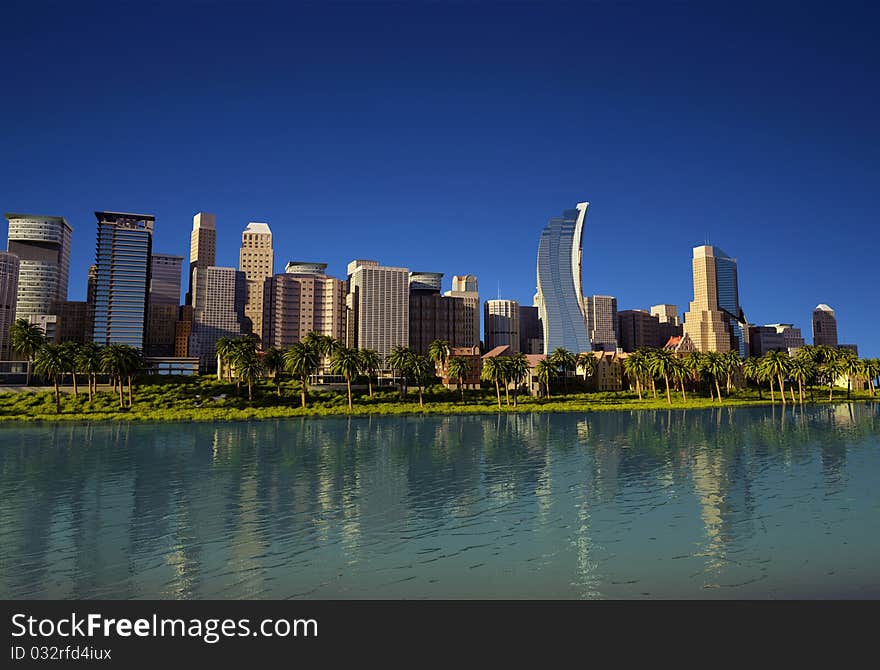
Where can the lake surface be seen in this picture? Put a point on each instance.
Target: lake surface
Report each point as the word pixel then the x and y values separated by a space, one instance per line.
pixel 722 503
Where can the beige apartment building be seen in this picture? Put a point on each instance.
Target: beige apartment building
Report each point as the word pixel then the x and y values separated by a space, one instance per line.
pixel 378 306
pixel 300 301
pixel 257 261
pixel 465 287
pixel 202 247
pixel 666 314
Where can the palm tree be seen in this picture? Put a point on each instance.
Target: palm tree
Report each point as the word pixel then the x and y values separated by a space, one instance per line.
pixel 694 364
pixel 325 345
pixel 115 361
pixel 564 360
pixel 346 362
pixel 71 351
pixel 51 360
pixel 872 371
pixel 831 369
pixel 636 368
pixel 240 350
pixel 493 371
pixel 518 370
pixel 775 364
pixel 421 368
pixel 400 359
pixel 851 367
pixel 302 361
pixel 800 369
pixel 680 372
pixel 545 371
pixel 274 362
pixel 588 363
pixel 88 360
pixel 459 367
pixel 732 365
pixel 249 367
pixel 660 363
pixel 713 367
pixel 438 351
pixel 370 364
pixel 752 371
pixel 26 339
pixel 224 348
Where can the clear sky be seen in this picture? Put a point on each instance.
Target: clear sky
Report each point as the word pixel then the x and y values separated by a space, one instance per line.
pixel 442 136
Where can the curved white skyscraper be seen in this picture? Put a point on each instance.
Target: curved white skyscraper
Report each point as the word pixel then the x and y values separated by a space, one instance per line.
pixel 560 299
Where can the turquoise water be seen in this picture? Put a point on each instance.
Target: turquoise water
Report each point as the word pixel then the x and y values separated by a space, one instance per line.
pixel 722 503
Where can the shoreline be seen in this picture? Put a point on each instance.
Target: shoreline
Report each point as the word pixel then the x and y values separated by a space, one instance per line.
pixel 237 408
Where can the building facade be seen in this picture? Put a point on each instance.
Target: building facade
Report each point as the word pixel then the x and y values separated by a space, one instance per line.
pixel 377 306
pixel 501 319
pixel 165 273
pixel 42 244
pixel 531 334
pixel 301 301
pixel 824 326
pixel 9 269
pixel 202 247
pixel 666 314
pixel 257 260
pixel 73 322
pixel 715 320
pixel 122 277
pixel 638 329
pixel 218 311
pixel 465 287
pixel 559 298
pixel 435 317
pixel 601 317
pixel 164 305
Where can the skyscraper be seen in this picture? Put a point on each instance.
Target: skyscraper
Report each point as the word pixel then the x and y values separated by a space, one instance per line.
pixel 601 317
pixel 122 281
pixel 531 334
pixel 202 247
pixel 164 304
pixel 638 329
pixel 436 317
pixel 218 311
pixel 9 269
pixel 465 287
pixel 42 244
pixel 715 321
pixel 257 261
pixel 559 299
pixel 501 319
pixel 824 326
pixel 378 306
pixel 300 301
pixel 666 314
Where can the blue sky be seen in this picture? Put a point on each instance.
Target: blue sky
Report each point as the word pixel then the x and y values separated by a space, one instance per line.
pixel 442 136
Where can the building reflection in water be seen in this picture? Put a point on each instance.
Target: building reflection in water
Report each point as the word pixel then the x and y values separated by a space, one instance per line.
pixel 400 506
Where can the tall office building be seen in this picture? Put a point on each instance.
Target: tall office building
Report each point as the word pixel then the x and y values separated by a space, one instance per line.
pixel 666 314
pixel 122 277
pixel 91 293
pixel 501 319
pixel 715 321
pixel 600 312
pixel 378 306
pixel 164 304
pixel 824 326
pixel 774 337
pixel 637 330
pixel 559 299
pixel 531 334
pixel 257 261
pixel 202 247
pixel 218 311
pixel 42 244
pixel 465 287
pixel 9 269
pixel 300 301
pixel 436 317
pixel 72 323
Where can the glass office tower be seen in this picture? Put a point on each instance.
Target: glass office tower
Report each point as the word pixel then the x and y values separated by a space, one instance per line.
pixel 122 283
pixel 559 299
pixel 728 300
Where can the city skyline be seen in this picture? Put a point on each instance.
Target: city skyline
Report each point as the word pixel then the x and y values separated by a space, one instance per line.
pixel 744 147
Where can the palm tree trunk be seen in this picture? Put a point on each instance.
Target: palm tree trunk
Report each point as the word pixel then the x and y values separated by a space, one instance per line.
pixel 781 388
pixel 684 396
pixel 75 388
pixel 830 391
pixel 370 384
pixel 250 391
pixel 278 385
pixel 668 395
pixel 718 389
pixel 639 388
pixel 791 389
pixel 303 392
pixel 348 384
pixel 421 403
pixel 498 393
pixel 129 390
pixel 848 385
pixel 121 401
pixel 772 394
pixel 57 396
pixel 90 388
pixel 654 388
pixel 461 387
pixel 506 393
